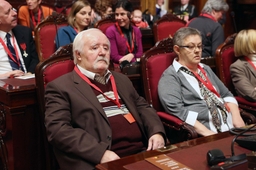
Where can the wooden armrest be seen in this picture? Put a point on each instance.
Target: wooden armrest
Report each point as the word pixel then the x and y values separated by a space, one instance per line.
pixel 247 117
pixel 173 122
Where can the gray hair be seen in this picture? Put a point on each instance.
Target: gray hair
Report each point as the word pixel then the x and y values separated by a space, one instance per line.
pixel 183 33
pixel 80 39
pixel 217 5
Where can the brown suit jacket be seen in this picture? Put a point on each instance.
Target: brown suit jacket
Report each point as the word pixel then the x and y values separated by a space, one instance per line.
pixel 244 79
pixel 77 126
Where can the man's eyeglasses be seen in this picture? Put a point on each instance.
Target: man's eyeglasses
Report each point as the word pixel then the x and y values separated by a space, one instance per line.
pixel 192 47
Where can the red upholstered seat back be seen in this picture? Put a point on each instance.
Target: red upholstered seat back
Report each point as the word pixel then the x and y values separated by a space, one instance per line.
pixel 153 63
pixel 166 29
pixel 60 63
pixel 45 34
pixel 166 26
pixel 155 67
pixel 57 69
pixel 228 57
pixel 103 24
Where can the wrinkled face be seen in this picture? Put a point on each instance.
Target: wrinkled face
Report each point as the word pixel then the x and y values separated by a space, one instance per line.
pixel 83 17
pixel 137 17
pixel 33 4
pixel 95 55
pixel 122 18
pixel 8 16
pixel 190 51
pixel 184 2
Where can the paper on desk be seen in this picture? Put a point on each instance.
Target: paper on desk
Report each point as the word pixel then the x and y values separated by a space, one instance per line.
pixel 27 76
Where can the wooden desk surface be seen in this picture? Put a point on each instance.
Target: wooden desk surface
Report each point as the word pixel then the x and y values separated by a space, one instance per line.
pixel 14 91
pixel 177 152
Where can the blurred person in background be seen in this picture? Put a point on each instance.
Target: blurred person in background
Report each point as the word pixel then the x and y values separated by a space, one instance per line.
pixel 207 23
pixel 125 38
pixel 243 71
pixel 185 10
pixel 33 13
pixel 79 19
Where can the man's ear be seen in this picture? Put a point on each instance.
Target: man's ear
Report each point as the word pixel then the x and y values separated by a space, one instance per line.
pixel 78 55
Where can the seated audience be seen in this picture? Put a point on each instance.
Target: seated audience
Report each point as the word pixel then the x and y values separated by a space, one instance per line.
pixel 185 10
pixel 102 9
pixel 243 71
pixel 125 38
pixel 207 23
pixel 33 13
pixel 138 20
pixel 79 19
pixel 191 91
pixel 98 116
pixel 18 54
pixel 160 11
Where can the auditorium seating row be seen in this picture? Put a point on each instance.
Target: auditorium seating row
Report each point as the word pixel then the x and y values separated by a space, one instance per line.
pixel 149 72
pixel 45 32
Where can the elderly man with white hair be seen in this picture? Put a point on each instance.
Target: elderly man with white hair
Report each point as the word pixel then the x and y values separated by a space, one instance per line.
pixel 97 116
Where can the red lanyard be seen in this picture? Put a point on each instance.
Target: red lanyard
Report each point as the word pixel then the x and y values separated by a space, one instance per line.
pixel 206 82
pixel 75 30
pixel 208 16
pixel 250 62
pixel 130 49
pixel 97 88
pixel 38 17
pixel 16 60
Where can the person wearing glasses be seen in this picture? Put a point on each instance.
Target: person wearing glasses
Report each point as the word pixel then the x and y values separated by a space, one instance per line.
pixel 207 23
pixel 191 91
pixel 18 54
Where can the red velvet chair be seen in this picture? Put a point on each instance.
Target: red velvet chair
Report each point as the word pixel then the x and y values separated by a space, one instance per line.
pixel 166 26
pixel 45 33
pixel 103 24
pixel 224 58
pixel 61 62
pixel 153 64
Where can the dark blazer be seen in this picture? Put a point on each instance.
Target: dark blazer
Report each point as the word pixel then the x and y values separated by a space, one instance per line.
pixel 191 10
pixel 77 126
pixel 24 35
pixel 244 79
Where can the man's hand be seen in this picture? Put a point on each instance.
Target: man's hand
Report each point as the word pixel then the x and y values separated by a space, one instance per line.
pixel 10 74
pixel 156 141
pixel 109 156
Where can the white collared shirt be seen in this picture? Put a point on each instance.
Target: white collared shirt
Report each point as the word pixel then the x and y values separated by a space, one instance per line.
pixel 90 74
pixel 5 65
